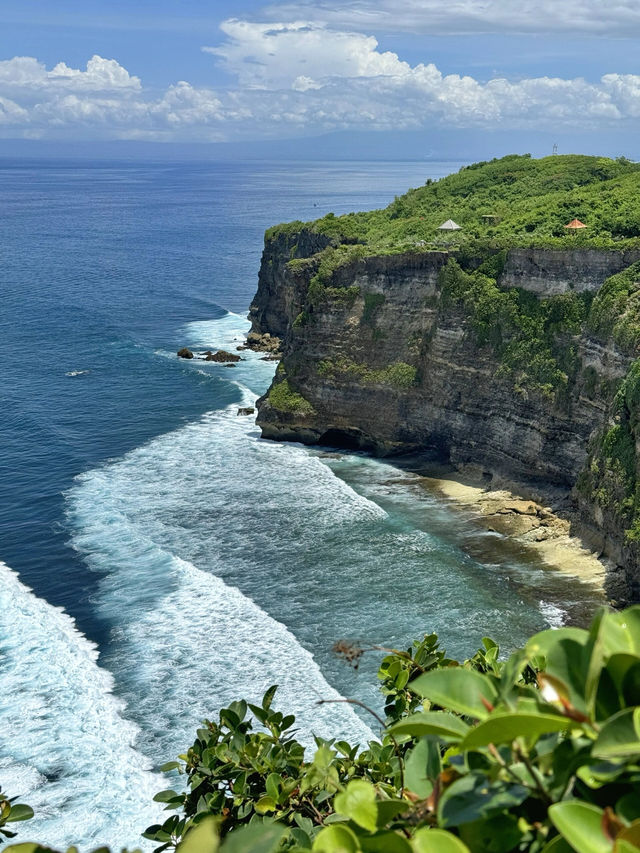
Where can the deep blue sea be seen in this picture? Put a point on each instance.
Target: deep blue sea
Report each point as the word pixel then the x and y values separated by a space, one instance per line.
pixel 157 558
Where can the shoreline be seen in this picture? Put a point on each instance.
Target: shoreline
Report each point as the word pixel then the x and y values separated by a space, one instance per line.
pixel 544 528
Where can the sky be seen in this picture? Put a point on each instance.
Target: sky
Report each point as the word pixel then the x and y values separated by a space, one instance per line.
pixel 422 78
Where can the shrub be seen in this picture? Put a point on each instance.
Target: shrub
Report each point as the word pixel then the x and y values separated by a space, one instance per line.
pixel 285 399
pixel 530 337
pixel 535 753
pixel 616 309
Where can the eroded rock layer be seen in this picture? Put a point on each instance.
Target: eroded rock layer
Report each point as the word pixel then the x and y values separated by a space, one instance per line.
pixel 384 354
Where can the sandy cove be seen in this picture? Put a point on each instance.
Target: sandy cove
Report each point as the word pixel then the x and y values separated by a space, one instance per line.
pixel 534 525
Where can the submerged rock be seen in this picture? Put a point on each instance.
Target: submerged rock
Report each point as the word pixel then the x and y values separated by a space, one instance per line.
pixel 246 410
pixel 185 353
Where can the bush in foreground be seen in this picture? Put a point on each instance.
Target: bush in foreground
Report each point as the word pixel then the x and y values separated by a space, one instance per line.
pixel 538 753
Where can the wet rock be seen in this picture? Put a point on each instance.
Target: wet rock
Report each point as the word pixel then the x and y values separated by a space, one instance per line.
pixel 263 343
pixel 246 410
pixel 222 356
pixel 185 353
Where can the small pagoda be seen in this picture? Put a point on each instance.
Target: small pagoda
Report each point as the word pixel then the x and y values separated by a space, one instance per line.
pixel 575 225
pixel 449 225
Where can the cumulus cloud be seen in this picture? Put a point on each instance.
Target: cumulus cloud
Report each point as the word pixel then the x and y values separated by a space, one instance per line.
pixel 295 79
pixel 618 18
pixel 24 73
pixel 272 56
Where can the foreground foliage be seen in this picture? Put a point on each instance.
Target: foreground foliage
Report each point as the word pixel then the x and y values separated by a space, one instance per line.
pixel 11 812
pixel 539 752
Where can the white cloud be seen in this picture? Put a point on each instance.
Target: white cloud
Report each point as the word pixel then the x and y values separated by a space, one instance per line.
pixel 297 79
pixel 11 113
pixel 272 56
pixel 617 18
pixel 24 73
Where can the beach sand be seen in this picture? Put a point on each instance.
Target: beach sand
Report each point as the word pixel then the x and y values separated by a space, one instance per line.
pixel 534 525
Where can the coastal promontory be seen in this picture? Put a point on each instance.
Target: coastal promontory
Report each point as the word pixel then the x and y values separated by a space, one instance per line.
pixel 509 344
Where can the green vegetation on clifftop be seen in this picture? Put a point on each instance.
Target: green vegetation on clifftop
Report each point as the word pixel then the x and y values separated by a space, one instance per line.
pixel 512 201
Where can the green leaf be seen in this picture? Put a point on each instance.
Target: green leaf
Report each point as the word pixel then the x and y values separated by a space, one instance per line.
pixel 265 804
pixel 581 825
pixel 621 631
pixel 385 842
pixel 335 839
pixel 201 838
pixel 457 689
pixel 558 845
pixel 620 736
pixel 540 644
pixel 503 727
pixel 272 785
pixel 27 847
pixel 437 841
pixel 166 796
pixel 629 835
pixel 622 846
pixel 170 765
pixel 20 812
pixel 422 766
pixel 255 838
pixel 300 837
pixel 358 802
pixel 439 723
pixel 565 663
pixel 624 670
pixel 473 797
pixel 388 809
pixel 628 807
pixel 267 699
pixel 497 834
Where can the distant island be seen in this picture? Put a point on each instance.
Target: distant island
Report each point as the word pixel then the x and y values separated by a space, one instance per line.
pixel 488 320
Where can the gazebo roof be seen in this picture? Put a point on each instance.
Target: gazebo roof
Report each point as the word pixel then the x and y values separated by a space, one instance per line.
pixel 449 225
pixel 575 224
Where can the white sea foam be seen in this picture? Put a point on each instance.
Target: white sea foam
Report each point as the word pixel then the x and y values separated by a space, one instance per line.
pixel 185 641
pixel 554 616
pixel 228 333
pixel 67 750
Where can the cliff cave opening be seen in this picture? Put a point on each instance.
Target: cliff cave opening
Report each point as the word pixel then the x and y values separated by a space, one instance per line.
pixel 347 439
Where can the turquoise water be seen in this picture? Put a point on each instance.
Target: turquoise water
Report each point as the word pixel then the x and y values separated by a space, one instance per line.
pixel 200 564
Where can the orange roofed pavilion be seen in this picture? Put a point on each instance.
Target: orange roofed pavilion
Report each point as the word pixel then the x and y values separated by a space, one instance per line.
pixel 575 224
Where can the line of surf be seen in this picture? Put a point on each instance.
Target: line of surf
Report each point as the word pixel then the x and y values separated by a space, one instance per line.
pixel 67 748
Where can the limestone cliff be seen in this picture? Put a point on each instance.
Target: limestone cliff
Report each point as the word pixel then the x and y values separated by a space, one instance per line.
pixel 393 355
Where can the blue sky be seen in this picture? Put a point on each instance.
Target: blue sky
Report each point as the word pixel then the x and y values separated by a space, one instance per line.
pixel 189 71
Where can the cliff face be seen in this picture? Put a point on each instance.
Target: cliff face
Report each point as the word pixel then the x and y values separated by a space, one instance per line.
pixel 382 358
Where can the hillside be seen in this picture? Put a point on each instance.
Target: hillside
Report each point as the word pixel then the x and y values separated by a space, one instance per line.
pixel 513 201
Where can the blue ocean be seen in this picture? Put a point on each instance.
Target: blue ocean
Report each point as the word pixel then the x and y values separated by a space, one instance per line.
pixel 158 559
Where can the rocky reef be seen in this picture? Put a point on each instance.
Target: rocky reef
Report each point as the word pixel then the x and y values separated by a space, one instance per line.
pixel 512 362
